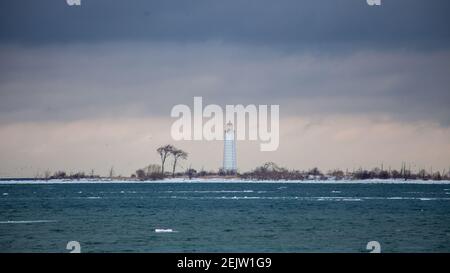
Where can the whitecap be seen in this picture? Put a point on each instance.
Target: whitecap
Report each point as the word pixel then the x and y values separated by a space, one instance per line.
pixel 5 194
pixel 27 222
pixel 217 191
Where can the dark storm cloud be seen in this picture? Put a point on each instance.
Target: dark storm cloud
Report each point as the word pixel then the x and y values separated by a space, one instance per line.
pixel 120 58
pixel 287 23
pixel 119 80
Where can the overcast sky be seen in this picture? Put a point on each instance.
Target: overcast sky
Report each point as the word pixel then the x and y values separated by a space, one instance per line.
pixel 92 87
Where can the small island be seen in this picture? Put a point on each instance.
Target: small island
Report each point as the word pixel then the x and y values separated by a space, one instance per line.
pixel 269 171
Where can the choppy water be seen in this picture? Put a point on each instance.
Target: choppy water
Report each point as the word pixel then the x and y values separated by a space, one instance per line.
pixel 221 217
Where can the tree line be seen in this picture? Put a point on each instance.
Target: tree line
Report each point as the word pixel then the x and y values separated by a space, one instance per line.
pixel 267 171
pixel 271 171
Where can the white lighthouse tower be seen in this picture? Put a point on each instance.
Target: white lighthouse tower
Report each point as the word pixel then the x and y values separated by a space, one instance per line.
pixel 229 149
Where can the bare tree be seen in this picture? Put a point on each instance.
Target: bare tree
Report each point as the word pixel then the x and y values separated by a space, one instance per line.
pixel 163 152
pixel 111 172
pixel 153 169
pixel 47 175
pixel 177 154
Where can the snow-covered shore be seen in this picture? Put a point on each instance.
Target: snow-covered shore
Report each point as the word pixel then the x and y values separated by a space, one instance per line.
pixel 220 180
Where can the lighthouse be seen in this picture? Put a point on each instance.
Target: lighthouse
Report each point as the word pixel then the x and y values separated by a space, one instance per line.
pixel 229 149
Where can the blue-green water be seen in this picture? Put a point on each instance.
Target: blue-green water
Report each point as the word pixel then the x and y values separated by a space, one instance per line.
pixel 225 217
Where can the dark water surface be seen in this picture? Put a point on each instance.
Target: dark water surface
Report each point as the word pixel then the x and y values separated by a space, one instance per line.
pixel 225 217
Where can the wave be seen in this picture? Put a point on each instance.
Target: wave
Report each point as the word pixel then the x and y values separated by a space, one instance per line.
pixel 27 221
pixel 326 198
pixel 303 198
pixel 216 191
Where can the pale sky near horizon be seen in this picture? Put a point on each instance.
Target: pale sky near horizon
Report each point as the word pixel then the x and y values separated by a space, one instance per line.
pixel 92 87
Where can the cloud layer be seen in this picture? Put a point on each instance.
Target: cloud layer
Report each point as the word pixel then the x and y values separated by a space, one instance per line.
pixel 92 86
pixel 145 79
pixel 289 24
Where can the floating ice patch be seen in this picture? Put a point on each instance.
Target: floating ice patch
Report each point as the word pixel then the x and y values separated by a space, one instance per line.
pixel 397 198
pixel 352 199
pixel 164 230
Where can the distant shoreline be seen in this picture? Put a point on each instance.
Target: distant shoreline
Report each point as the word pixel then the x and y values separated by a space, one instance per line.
pixel 33 181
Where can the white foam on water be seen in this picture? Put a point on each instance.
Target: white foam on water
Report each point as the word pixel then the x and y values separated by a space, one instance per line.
pixel 335 191
pixel 303 198
pixel 322 198
pixel 415 198
pixel 5 194
pixel 27 222
pixel 216 191
pixel 94 197
pixel 164 230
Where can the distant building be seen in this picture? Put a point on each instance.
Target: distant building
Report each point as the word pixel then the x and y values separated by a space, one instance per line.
pixel 229 149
